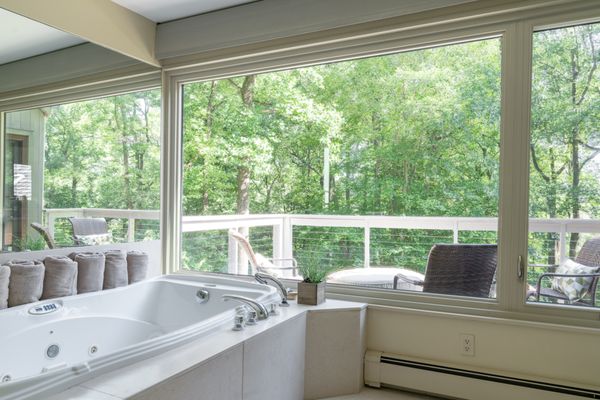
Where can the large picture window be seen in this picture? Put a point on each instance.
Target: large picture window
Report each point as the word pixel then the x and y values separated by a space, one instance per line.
pixel 304 163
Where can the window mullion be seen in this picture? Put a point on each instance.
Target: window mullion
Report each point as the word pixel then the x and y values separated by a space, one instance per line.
pixel 171 175
pixel 514 163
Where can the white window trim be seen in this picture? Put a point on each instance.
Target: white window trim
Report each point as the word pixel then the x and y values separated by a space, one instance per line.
pixel 515 28
pixel 112 83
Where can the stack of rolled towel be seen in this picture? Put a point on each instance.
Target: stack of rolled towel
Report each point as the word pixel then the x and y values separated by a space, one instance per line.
pixel 23 282
pixel 26 283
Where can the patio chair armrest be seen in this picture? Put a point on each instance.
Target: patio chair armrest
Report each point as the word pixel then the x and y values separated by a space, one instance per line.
pixel 554 275
pixel 293 268
pixel 403 278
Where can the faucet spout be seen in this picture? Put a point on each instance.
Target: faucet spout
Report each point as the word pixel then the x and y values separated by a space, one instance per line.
pixel 261 310
pixel 264 278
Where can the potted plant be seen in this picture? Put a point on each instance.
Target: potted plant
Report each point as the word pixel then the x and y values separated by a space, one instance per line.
pixel 311 290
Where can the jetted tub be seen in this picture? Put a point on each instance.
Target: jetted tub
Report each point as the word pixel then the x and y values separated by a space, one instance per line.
pixel 51 345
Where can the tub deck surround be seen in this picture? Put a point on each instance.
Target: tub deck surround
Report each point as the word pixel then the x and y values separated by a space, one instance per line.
pixel 52 345
pixel 181 368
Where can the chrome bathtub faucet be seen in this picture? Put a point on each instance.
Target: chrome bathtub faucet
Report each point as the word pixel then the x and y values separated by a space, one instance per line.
pixel 263 278
pixel 259 308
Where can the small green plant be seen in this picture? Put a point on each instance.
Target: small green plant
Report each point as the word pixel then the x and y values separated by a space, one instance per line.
pixel 312 269
pixel 29 244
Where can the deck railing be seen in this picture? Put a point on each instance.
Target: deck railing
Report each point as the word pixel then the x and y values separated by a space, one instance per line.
pixel 53 214
pixel 282 226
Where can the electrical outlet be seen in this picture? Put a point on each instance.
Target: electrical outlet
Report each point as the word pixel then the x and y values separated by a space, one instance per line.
pixel 467 345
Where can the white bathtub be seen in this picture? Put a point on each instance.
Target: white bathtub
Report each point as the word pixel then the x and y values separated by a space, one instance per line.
pixel 89 334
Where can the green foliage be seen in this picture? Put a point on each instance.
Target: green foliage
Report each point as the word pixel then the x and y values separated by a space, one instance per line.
pixel 407 134
pixel 29 244
pixel 414 134
pixel 312 270
pixel 104 153
pixel 565 175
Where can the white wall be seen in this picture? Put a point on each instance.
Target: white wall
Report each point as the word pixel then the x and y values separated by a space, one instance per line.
pixel 557 354
pixel 32 124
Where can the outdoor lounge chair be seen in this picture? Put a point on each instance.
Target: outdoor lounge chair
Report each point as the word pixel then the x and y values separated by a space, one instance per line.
pixel 259 263
pixel 43 231
pixel 457 269
pixel 589 256
pixel 90 231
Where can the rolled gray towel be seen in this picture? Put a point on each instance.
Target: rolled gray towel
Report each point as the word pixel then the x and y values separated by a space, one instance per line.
pixel 137 266
pixel 90 271
pixel 61 277
pixel 4 280
pixel 115 271
pixel 26 282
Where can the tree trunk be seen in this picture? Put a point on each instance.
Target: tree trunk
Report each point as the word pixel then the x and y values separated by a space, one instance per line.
pixel 243 176
pixel 210 108
pixel 243 195
pixel 576 170
pixel 74 182
pixel 575 167
pixel 551 209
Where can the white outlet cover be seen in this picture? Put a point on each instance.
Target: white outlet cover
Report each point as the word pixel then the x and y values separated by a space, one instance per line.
pixel 467 344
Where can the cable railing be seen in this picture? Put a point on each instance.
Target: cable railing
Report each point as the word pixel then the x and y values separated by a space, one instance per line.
pixel 338 240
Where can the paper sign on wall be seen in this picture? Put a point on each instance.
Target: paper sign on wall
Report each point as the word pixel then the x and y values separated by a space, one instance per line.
pixel 22 180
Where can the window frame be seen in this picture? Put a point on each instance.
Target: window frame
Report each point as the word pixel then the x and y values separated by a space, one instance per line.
pixel 111 83
pixel 516 33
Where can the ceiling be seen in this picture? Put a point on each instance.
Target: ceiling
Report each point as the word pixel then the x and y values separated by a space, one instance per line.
pixel 23 38
pixel 167 10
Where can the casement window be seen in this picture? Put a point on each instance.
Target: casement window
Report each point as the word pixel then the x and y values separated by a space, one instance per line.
pixel 564 252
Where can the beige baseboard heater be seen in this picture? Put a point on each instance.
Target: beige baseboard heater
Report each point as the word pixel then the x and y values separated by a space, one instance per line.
pixel 392 370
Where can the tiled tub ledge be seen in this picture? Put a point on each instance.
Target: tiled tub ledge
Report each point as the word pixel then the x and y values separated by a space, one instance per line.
pixel 305 352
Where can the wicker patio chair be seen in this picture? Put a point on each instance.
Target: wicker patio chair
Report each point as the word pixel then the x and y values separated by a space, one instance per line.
pixel 588 255
pixel 457 269
pixel 90 231
pixel 45 234
pixel 258 262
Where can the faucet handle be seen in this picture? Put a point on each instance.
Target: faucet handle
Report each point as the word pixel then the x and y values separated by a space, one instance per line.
pixel 273 309
pixel 238 323
pixel 251 318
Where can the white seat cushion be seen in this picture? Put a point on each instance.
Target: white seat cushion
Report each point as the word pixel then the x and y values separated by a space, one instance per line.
pixel 380 277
